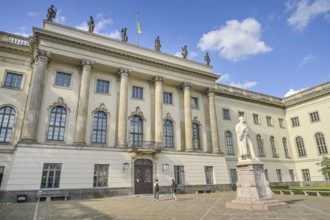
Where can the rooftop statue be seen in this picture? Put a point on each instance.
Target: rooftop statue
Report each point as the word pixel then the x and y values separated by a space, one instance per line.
pixel 184 52
pixel 157 44
pixel 51 13
pixel 207 59
pixel 124 37
pixel 243 141
pixel 91 25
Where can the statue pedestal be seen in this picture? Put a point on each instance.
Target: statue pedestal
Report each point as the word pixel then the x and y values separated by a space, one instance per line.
pixel 253 192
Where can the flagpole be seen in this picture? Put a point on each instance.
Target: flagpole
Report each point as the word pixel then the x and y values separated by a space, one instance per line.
pixel 137 31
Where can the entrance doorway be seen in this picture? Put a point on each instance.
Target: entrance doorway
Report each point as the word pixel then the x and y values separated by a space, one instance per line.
pixel 143 176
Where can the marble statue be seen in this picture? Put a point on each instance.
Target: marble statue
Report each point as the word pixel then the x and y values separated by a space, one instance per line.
pixel 124 37
pixel 51 13
pixel 243 141
pixel 91 25
pixel 157 44
pixel 207 59
pixel 184 52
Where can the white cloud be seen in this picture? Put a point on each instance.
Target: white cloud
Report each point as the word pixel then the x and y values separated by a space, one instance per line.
pixel 23 32
pixel 305 12
pixel 292 92
pixel 192 54
pixel 245 85
pixel 235 41
pixel 223 78
pixel 178 54
pixel 32 14
pixel 307 59
pixel 59 18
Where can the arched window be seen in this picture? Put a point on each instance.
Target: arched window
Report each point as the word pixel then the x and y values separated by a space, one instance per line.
pixel 99 127
pixel 57 122
pixel 321 143
pixel 285 146
pixel 7 118
pixel 300 147
pixel 229 143
pixel 136 131
pixel 168 134
pixel 260 144
pixel 272 144
pixel 196 136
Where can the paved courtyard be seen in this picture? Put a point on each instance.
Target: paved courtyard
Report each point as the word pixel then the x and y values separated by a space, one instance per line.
pixel 189 206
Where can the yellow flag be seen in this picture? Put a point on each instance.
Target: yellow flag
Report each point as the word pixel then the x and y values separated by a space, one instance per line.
pixel 138 28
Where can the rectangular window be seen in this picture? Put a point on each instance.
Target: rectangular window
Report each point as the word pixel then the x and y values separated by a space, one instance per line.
pixel 101 172
pixel 291 175
pixel 295 122
pixel 281 122
pixel 314 116
pixel 193 102
pixel 241 114
pixel 209 175
pixel 102 86
pixel 167 98
pixel 137 92
pixel 306 175
pixel 266 175
pixel 63 79
pixel 226 115
pixel 13 80
pixel 269 121
pixel 256 119
pixel 326 177
pixel 279 175
pixel 2 170
pixel 233 176
pixel 179 175
pixel 51 174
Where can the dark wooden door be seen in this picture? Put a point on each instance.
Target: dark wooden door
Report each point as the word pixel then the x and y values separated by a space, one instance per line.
pixel 143 176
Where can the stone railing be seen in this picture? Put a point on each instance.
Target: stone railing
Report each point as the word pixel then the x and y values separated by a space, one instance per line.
pixel 145 145
pixel 14 39
pixel 248 94
pixel 306 93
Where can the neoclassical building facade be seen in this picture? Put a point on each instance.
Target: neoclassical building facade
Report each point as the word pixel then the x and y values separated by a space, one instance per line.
pixel 95 116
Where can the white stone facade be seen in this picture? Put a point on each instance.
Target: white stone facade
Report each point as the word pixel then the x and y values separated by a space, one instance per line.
pixel 86 58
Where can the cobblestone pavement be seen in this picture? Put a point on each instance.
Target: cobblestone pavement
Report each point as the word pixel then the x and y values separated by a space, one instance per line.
pixel 189 206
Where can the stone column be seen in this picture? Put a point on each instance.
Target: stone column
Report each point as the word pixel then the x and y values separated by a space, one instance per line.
pixel 158 80
pixel 213 122
pixel 186 86
pixel 81 124
pixel 122 111
pixel 36 91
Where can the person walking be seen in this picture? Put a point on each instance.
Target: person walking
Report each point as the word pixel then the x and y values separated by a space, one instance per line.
pixel 156 190
pixel 173 190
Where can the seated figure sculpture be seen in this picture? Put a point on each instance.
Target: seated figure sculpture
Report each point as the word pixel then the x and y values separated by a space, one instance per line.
pixel 243 141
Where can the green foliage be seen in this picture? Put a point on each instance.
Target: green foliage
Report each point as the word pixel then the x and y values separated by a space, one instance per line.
pixel 325 165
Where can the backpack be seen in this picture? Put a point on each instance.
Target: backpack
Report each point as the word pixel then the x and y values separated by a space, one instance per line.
pixel 157 187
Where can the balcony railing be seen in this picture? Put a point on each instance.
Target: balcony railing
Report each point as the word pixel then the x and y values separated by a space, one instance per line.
pixel 145 145
pixel 14 39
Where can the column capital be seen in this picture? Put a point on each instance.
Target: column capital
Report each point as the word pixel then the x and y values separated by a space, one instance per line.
pixel 86 64
pixel 43 55
pixel 156 80
pixel 185 86
pixel 210 92
pixel 123 72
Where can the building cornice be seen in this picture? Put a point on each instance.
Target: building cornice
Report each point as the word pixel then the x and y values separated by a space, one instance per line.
pixel 136 53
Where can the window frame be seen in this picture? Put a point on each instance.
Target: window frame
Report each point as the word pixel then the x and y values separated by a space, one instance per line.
pixel 273 146
pixel 233 176
pixel 292 176
pixel 11 117
pixel 261 146
pixel 320 143
pixel 49 124
pixel 314 118
pixel 2 172
pixel 179 175
pixel 300 146
pixel 105 81
pixel 56 173
pixel 281 123
pixel 64 73
pixel 104 176
pixel 279 175
pixel 194 102
pixel 196 136
pixel 229 143
pixel 306 175
pixel 295 122
pixel 136 138
pixel 209 175
pixel 21 87
pixel 256 119
pixel 286 148
pixel 137 92
pixel 226 114
pixel 269 120
pixel 168 134
pixel 167 96
pixel 104 132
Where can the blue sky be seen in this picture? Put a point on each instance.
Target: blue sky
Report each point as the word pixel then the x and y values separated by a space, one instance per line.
pixel 267 46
